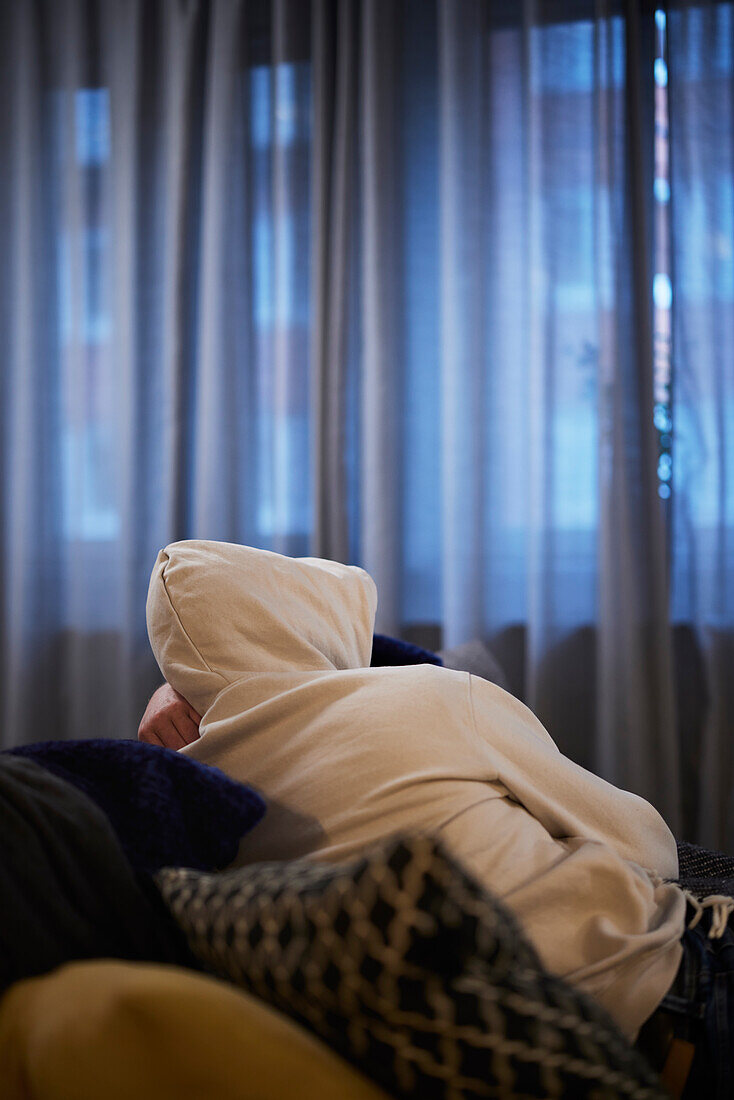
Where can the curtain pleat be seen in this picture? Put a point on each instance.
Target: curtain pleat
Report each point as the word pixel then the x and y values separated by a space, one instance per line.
pixel 335 114
pixel 31 548
pixel 380 454
pixel 636 734
pixel 463 162
pixel 701 107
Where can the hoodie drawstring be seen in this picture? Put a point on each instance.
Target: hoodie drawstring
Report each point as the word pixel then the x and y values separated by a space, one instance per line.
pixel 722 907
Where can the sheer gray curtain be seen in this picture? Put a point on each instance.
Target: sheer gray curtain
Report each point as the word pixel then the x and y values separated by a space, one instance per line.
pixel 374 280
pixel 543 150
pixel 502 191
pixel 155 315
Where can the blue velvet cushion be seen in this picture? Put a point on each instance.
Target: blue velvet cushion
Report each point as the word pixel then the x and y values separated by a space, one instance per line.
pixel 165 808
pixel 392 651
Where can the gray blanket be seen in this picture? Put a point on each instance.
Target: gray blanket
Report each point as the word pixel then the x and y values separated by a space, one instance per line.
pixel 704 872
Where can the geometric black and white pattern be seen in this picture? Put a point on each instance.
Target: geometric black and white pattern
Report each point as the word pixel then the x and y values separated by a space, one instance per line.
pixel 409 969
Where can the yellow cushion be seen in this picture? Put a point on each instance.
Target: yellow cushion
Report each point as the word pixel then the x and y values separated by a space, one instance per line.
pixel 133 1031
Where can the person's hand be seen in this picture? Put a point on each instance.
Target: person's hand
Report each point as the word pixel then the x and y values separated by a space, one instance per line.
pixel 169 720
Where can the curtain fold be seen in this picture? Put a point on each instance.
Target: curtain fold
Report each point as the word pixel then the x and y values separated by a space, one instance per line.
pixel 464 104
pixel 382 303
pixel 213 228
pixel 335 113
pixel 31 560
pixel 637 737
pixel 701 210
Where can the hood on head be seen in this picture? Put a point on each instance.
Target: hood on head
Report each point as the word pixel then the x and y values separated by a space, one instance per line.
pixel 217 611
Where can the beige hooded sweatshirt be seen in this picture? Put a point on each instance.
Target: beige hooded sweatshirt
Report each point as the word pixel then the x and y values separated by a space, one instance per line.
pixel 274 653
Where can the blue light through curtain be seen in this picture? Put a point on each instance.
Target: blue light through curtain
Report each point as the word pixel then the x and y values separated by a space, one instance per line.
pixel 375 281
pixel 701 216
pixel 154 218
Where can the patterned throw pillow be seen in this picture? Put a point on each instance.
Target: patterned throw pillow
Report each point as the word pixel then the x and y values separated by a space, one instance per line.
pixel 407 967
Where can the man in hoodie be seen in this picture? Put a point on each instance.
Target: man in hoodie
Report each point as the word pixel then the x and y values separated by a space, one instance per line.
pixel 274 654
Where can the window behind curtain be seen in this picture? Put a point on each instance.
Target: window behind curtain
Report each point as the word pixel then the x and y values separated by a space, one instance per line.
pixel 571 200
pixel 280 126
pixel 562 78
pixel 276 102
pixel 81 121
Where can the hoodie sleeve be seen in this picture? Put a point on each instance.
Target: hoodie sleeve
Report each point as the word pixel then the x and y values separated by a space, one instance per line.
pixel 565 798
pixel 218 611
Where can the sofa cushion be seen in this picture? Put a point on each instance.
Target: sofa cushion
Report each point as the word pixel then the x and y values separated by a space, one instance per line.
pixel 164 807
pixel 115 1031
pixel 66 889
pixel 409 969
